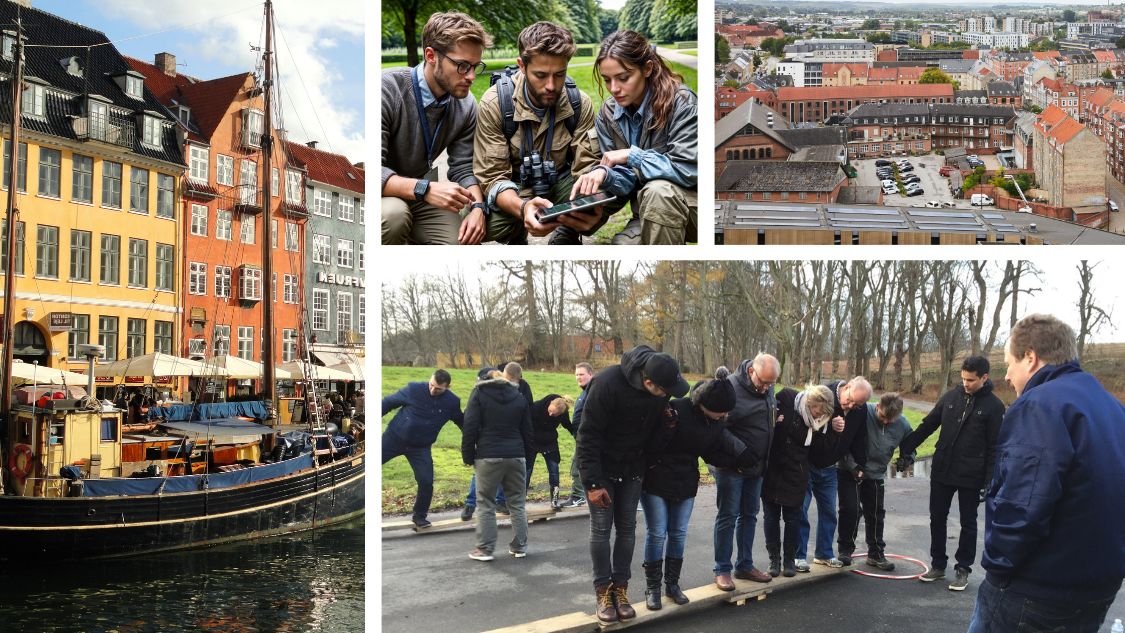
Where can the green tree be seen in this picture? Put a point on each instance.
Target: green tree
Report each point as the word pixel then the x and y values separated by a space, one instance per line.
pixel 756 61
pixel 1121 42
pixel 1069 16
pixel 1031 107
pixel 1107 74
pixel 871 24
pixel 934 76
pixel 879 38
pixel 607 21
pixel 634 16
pixel 722 50
pixel 503 19
pixel 775 46
pixel 731 83
pixel 584 14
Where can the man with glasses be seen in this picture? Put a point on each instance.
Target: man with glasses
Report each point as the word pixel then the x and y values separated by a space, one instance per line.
pixel 428 110
pixel 423 409
pixel 527 168
pixel 739 491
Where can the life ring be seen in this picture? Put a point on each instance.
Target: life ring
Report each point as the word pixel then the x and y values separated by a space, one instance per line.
pixel 21 461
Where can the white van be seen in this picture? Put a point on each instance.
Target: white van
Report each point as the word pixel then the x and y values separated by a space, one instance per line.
pixel 981 200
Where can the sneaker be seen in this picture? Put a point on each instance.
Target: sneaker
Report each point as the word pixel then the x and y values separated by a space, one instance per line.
pixel 880 562
pixel 479 554
pixel 575 502
pixel 932 575
pixel 833 562
pixel 518 553
pixel 420 522
pixel 503 509
pixel 467 513
pixel 803 566
pixel 960 582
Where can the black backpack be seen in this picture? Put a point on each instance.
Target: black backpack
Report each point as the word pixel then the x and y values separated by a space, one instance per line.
pixel 507 86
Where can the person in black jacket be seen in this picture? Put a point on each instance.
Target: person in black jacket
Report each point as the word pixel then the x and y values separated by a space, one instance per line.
pixel 672 479
pixel 547 414
pixel 496 441
pixel 847 431
pixel 964 460
pixel 802 427
pixel 624 404
pixel 471 497
pixel 739 492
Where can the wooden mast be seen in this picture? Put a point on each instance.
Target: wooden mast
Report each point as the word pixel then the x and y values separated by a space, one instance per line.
pixel 269 391
pixel 10 235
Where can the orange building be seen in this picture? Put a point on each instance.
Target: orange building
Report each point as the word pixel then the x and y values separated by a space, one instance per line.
pixel 223 193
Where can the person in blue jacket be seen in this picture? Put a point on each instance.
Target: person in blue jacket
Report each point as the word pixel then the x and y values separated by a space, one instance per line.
pixel 1054 529
pixel 424 408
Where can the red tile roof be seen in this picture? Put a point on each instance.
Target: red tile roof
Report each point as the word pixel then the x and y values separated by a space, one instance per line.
pixel 331 169
pixel 1105 56
pixel 1101 98
pixel 209 100
pixel 1045 55
pixel 865 92
pixel 1066 130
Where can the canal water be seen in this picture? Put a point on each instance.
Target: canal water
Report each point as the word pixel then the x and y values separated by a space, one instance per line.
pixel 304 582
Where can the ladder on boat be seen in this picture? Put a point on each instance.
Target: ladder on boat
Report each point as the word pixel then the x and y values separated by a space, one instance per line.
pixel 315 416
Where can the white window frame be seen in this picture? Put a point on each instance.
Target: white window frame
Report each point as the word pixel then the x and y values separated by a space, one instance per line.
pixel 290 289
pixel 220 340
pixel 197 278
pixel 322 249
pixel 288 345
pixel 224 169
pixel 249 283
pixel 199 213
pixel 321 300
pixel 344 253
pixel 293 186
pixel 248 181
pixel 346 208
pixel 223 281
pixel 199 163
pixel 224 221
pixel 292 239
pixel 343 316
pixel 322 203
pixel 248 226
pixel 246 342
pixel 152 131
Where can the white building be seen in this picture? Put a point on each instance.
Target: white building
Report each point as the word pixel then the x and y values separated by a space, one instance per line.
pixel 997 40
pixel 796 70
pixel 831 51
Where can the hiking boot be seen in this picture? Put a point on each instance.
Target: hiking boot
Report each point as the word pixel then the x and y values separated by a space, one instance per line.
pixel 625 610
pixel 803 566
pixel 555 499
pixel 880 562
pixel 961 581
pixel 467 513
pixel 575 502
pixel 788 569
pixel 844 560
pixel 631 234
pixel 834 563
pixel 723 581
pixel 605 609
pixel 775 566
pixel 672 567
pixel 420 522
pixel 752 574
pixel 565 236
pixel 932 575
pixel 654 572
pixel 479 554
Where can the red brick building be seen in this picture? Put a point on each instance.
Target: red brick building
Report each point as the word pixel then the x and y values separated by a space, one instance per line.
pixel 728 99
pixel 781 181
pixel 223 214
pixel 814 105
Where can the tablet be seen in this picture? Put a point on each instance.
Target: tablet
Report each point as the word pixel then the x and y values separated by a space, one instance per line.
pixel 578 204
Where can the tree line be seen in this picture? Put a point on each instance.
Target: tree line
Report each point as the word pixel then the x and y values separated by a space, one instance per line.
pixel 886 320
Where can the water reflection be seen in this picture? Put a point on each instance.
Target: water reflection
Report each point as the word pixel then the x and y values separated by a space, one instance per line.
pixel 305 582
pixel 919 469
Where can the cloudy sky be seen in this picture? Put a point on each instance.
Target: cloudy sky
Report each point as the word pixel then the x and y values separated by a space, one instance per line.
pixel 319 52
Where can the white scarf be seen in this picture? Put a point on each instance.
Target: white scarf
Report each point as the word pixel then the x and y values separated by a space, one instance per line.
pixel 814 424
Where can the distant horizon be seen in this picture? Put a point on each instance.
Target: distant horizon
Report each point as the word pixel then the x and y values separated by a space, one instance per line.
pixel 1038 3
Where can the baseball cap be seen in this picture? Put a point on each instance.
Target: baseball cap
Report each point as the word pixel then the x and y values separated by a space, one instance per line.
pixel 664 372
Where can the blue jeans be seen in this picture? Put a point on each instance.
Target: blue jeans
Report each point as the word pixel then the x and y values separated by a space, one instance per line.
pixel 822 485
pixel 621 516
pixel 552 470
pixel 1006 611
pixel 666 520
pixel 421 462
pixel 471 498
pixel 738 498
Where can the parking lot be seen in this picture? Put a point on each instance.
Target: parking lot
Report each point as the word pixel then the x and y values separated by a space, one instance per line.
pixel 933 183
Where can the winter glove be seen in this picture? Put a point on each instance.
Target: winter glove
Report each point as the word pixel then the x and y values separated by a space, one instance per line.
pixel 671 418
pixel 599 497
pixel 902 463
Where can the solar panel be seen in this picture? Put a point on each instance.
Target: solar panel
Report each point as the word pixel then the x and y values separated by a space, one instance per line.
pixel 775 217
pixel 862 211
pixel 813 225
pixel 950 229
pixel 941 214
pixel 1008 229
pixel 952 223
pixel 870 220
pixel 777 207
pixel 992 216
pixel 868 227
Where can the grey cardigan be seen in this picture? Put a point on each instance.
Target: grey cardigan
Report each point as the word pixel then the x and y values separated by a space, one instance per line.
pixel 404 151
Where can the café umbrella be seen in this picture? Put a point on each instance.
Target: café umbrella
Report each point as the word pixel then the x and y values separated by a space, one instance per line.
pixel 157 365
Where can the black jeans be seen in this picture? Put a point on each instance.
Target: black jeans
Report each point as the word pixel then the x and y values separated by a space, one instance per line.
pixel 866 496
pixel 941 497
pixel 773 513
pixel 621 514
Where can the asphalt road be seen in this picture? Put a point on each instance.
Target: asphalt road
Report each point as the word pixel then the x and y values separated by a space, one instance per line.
pixel 429 583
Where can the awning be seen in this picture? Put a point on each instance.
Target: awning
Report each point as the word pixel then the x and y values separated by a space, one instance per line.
pixel 331 357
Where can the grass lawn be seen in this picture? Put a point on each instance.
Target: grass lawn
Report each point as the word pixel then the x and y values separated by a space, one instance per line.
pixel 451 477
pixel 693 52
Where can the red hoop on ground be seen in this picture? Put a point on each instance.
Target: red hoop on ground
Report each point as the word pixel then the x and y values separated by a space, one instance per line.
pixel 858 555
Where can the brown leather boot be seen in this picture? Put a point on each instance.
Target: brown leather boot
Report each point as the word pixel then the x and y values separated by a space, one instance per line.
pixel 625 610
pixel 606 610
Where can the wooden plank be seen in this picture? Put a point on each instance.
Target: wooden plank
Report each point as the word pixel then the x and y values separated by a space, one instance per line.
pixel 534 515
pixel 575 622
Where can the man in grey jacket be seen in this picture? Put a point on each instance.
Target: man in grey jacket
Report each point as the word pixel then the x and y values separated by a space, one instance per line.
pixel 886 428
pixel 428 110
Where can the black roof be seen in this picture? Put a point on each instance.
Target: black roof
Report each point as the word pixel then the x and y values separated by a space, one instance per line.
pixel 50 40
pixel 973 110
pixel 805 137
pixel 772 175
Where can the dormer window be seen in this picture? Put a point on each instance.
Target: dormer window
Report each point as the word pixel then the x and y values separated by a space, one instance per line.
pixel 152 131
pixel 183 113
pixel 34 102
pixel 134 86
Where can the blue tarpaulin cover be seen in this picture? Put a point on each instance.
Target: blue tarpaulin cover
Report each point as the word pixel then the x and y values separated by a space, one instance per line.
pixel 186 412
pixel 192 483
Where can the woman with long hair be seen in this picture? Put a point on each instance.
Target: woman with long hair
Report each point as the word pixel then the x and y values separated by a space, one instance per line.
pixel 649 133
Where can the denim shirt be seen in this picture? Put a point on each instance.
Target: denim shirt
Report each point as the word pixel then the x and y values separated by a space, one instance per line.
pixel 428 98
pixel 649 164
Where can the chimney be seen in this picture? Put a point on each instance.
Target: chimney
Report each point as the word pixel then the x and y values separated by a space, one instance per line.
pixel 167 63
pixel 359 165
pixel 311 144
pixel 23 3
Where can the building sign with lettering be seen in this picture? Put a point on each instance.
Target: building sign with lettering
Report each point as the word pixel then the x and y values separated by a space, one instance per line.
pixel 340 280
pixel 60 321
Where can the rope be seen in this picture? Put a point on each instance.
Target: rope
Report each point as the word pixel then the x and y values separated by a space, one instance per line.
pixel 869 574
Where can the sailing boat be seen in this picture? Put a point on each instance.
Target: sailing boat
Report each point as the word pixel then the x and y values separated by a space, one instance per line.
pixel 204 480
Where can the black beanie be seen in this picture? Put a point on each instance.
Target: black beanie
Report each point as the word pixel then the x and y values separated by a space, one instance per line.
pixel 716 396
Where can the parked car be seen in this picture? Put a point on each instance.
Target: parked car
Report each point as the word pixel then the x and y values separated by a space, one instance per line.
pixel 933 204
pixel 948 205
pixel 906 169
pixel 945 171
pixel 882 162
pixel 981 200
pixel 1112 205
pixel 915 192
pixel 912 178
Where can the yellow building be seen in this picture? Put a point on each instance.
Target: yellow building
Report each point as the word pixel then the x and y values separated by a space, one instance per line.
pixel 98 231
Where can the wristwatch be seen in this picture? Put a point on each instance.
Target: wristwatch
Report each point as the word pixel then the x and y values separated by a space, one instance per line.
pixel 421 189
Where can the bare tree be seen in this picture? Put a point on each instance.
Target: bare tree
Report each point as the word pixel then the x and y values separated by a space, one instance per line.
pixel 1091 316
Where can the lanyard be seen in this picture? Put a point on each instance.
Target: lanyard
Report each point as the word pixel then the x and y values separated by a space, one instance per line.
pixel 429 141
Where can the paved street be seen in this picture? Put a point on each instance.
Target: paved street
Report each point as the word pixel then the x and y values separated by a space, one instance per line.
pixel 429 583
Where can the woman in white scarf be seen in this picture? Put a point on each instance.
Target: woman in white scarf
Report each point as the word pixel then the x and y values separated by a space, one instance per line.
pixel 802 426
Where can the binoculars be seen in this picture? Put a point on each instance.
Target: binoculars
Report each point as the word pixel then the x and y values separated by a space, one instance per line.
pixel 538 174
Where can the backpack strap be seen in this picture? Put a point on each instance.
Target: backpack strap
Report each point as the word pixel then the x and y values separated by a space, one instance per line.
pixel 505 86
pixel 575 96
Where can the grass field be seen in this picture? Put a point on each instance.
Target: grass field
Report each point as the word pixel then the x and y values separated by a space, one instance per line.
pixel 451 476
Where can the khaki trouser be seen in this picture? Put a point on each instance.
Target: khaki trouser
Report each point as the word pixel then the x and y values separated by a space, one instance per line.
pixel 668 212
pixel 418 223
pixel 508 229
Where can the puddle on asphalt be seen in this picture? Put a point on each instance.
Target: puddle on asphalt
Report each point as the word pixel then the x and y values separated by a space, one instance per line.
pixel 920 469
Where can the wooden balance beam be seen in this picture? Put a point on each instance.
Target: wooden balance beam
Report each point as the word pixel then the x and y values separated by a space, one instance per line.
pixel 534 515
